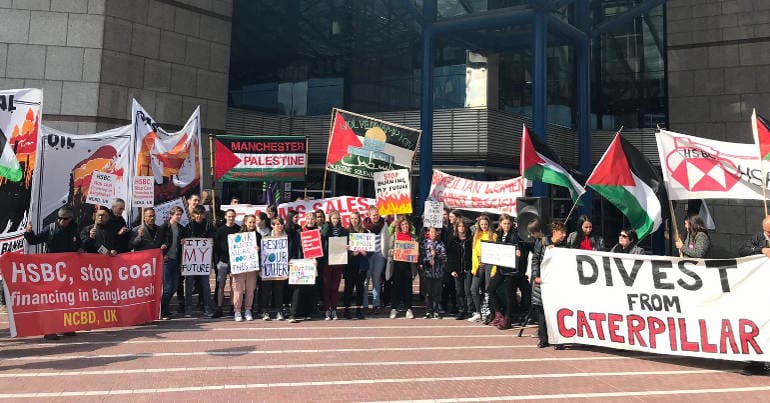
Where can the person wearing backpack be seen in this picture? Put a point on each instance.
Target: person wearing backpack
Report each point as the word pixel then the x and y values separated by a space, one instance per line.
pixel 59 236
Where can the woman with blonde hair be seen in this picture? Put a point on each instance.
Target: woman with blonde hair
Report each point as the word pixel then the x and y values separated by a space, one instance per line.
pixel 481 272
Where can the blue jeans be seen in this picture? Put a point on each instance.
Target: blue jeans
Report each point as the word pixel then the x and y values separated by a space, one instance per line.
pixel 376 265
pixel 204 293
pixel 170 282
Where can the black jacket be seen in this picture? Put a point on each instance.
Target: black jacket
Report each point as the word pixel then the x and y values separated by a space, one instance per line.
pixel 148 240
pixel 121 242
pixel 754 245
pixel 541 244
pixel 56 238
pixel 105 236
pixel 459 254
pixel 511 239
pixel 221 251
pixel 166 237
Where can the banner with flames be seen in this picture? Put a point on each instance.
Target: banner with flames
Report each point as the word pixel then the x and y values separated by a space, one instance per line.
pixel 360 145
pixel 67 163
pixel 394 192
pixel 20 112
pixel 174 159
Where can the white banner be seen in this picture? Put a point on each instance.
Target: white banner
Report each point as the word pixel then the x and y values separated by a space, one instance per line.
pixel 243 209
pixel 394 191
pixel 67 167
pixel 500 254
pixel 344 204
pixel 197 256
pixel 102 189
pixel 690 307
pixel 275 258
pixel 302 271
pixel 144 191
pixel 494 197
pixel 698 168
pixel 244 256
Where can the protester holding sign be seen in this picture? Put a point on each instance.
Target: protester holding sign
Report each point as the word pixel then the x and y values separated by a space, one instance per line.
pixel 556 240
pixel 376 225
pixel 332 274
pixel 696 243
pixel 584 238
pixel 99 237
pixel 61 236
pixel 481 271
pixel 273 290
pixel 245 283
pixel 459 250
pixel 301 294
pixel 759 244
pixel 143 236
pixel 433 257
pixel 354 274
pixel 119 226
pixel 171 233
pixel 402 273
pixel 505 277
pixel 627 243
pixel 222 257
pixel 198 227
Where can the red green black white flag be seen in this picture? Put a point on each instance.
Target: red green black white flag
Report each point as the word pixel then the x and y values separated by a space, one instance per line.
pixel 540 163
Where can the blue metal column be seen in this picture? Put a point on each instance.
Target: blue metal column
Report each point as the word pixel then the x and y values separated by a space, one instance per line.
pixel 539 85
pixel 426 106
pixel 583 51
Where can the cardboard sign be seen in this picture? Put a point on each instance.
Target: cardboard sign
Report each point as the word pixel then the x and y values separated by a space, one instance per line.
pixel 338 252
pixel 144 191
pixel 433 214
pixel 244 256
pixel 197 256
pixel 311 244
pixel 102 189
pixel 500 254
pixel 406 251
pixel 302 271
pixel 394 191
pixel 275 258
pixel 362 241
pixel 81 291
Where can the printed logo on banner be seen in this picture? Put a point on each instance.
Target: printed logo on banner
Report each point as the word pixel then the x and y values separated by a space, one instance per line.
pixel 102 189
pixel 275 258
pixel 144 191
pixel 311 244
pixel 197 256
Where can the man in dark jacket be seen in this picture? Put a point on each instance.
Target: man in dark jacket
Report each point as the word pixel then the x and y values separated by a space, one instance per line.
pixel 198 227
pixel 170 234
pixel 99 237
pixel 121 232
pixel 143 236
pixel 759 244
pixel 61 236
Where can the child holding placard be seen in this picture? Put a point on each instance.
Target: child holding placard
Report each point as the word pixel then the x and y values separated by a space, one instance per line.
pixel 433 259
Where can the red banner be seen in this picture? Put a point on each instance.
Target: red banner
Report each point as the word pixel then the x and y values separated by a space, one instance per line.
pixel 311 244
pixel 66 292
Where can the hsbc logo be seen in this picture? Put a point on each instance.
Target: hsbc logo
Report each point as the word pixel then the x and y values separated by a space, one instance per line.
pixel 699 167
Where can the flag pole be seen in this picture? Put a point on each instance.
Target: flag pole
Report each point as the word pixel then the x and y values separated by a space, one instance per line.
pixel 213 184
pixel 761 159
pixel 673 222
pixel 573 208
pixel 326 165
pixel 307 154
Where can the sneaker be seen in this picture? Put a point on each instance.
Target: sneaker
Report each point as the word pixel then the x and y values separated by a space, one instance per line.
pixel 279 316
pixel 428 314
pixel 346 314
pixel 165 316
pixel 542 344
pixel 238 317
pixel 247 315
pixel 334 315
pixel 308 318
pixel 328 315
pixel 438 315
pixel 409 314
pixel 292 319
pixel 266 317
pixel 393 313
pixel 51 337
pixel 460 316
pixel 360 314
pixel 475 317
pixel 188 312
pixel 217 313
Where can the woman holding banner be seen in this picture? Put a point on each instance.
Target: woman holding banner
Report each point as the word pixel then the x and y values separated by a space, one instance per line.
pixel 354 276
pixel 503 276
pixel 481 271
pixel 245 283
pixel 332 274
pixel 301 294
pixel 696 243
pixel 556 240
pixel 272 293
pixel 376 225
pixel 402 273
pixel 627 243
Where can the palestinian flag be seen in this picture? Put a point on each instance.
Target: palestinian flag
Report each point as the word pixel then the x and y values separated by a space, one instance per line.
pixel 539 163
pixel 9 165
pixel 628 180
pixel 761 130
